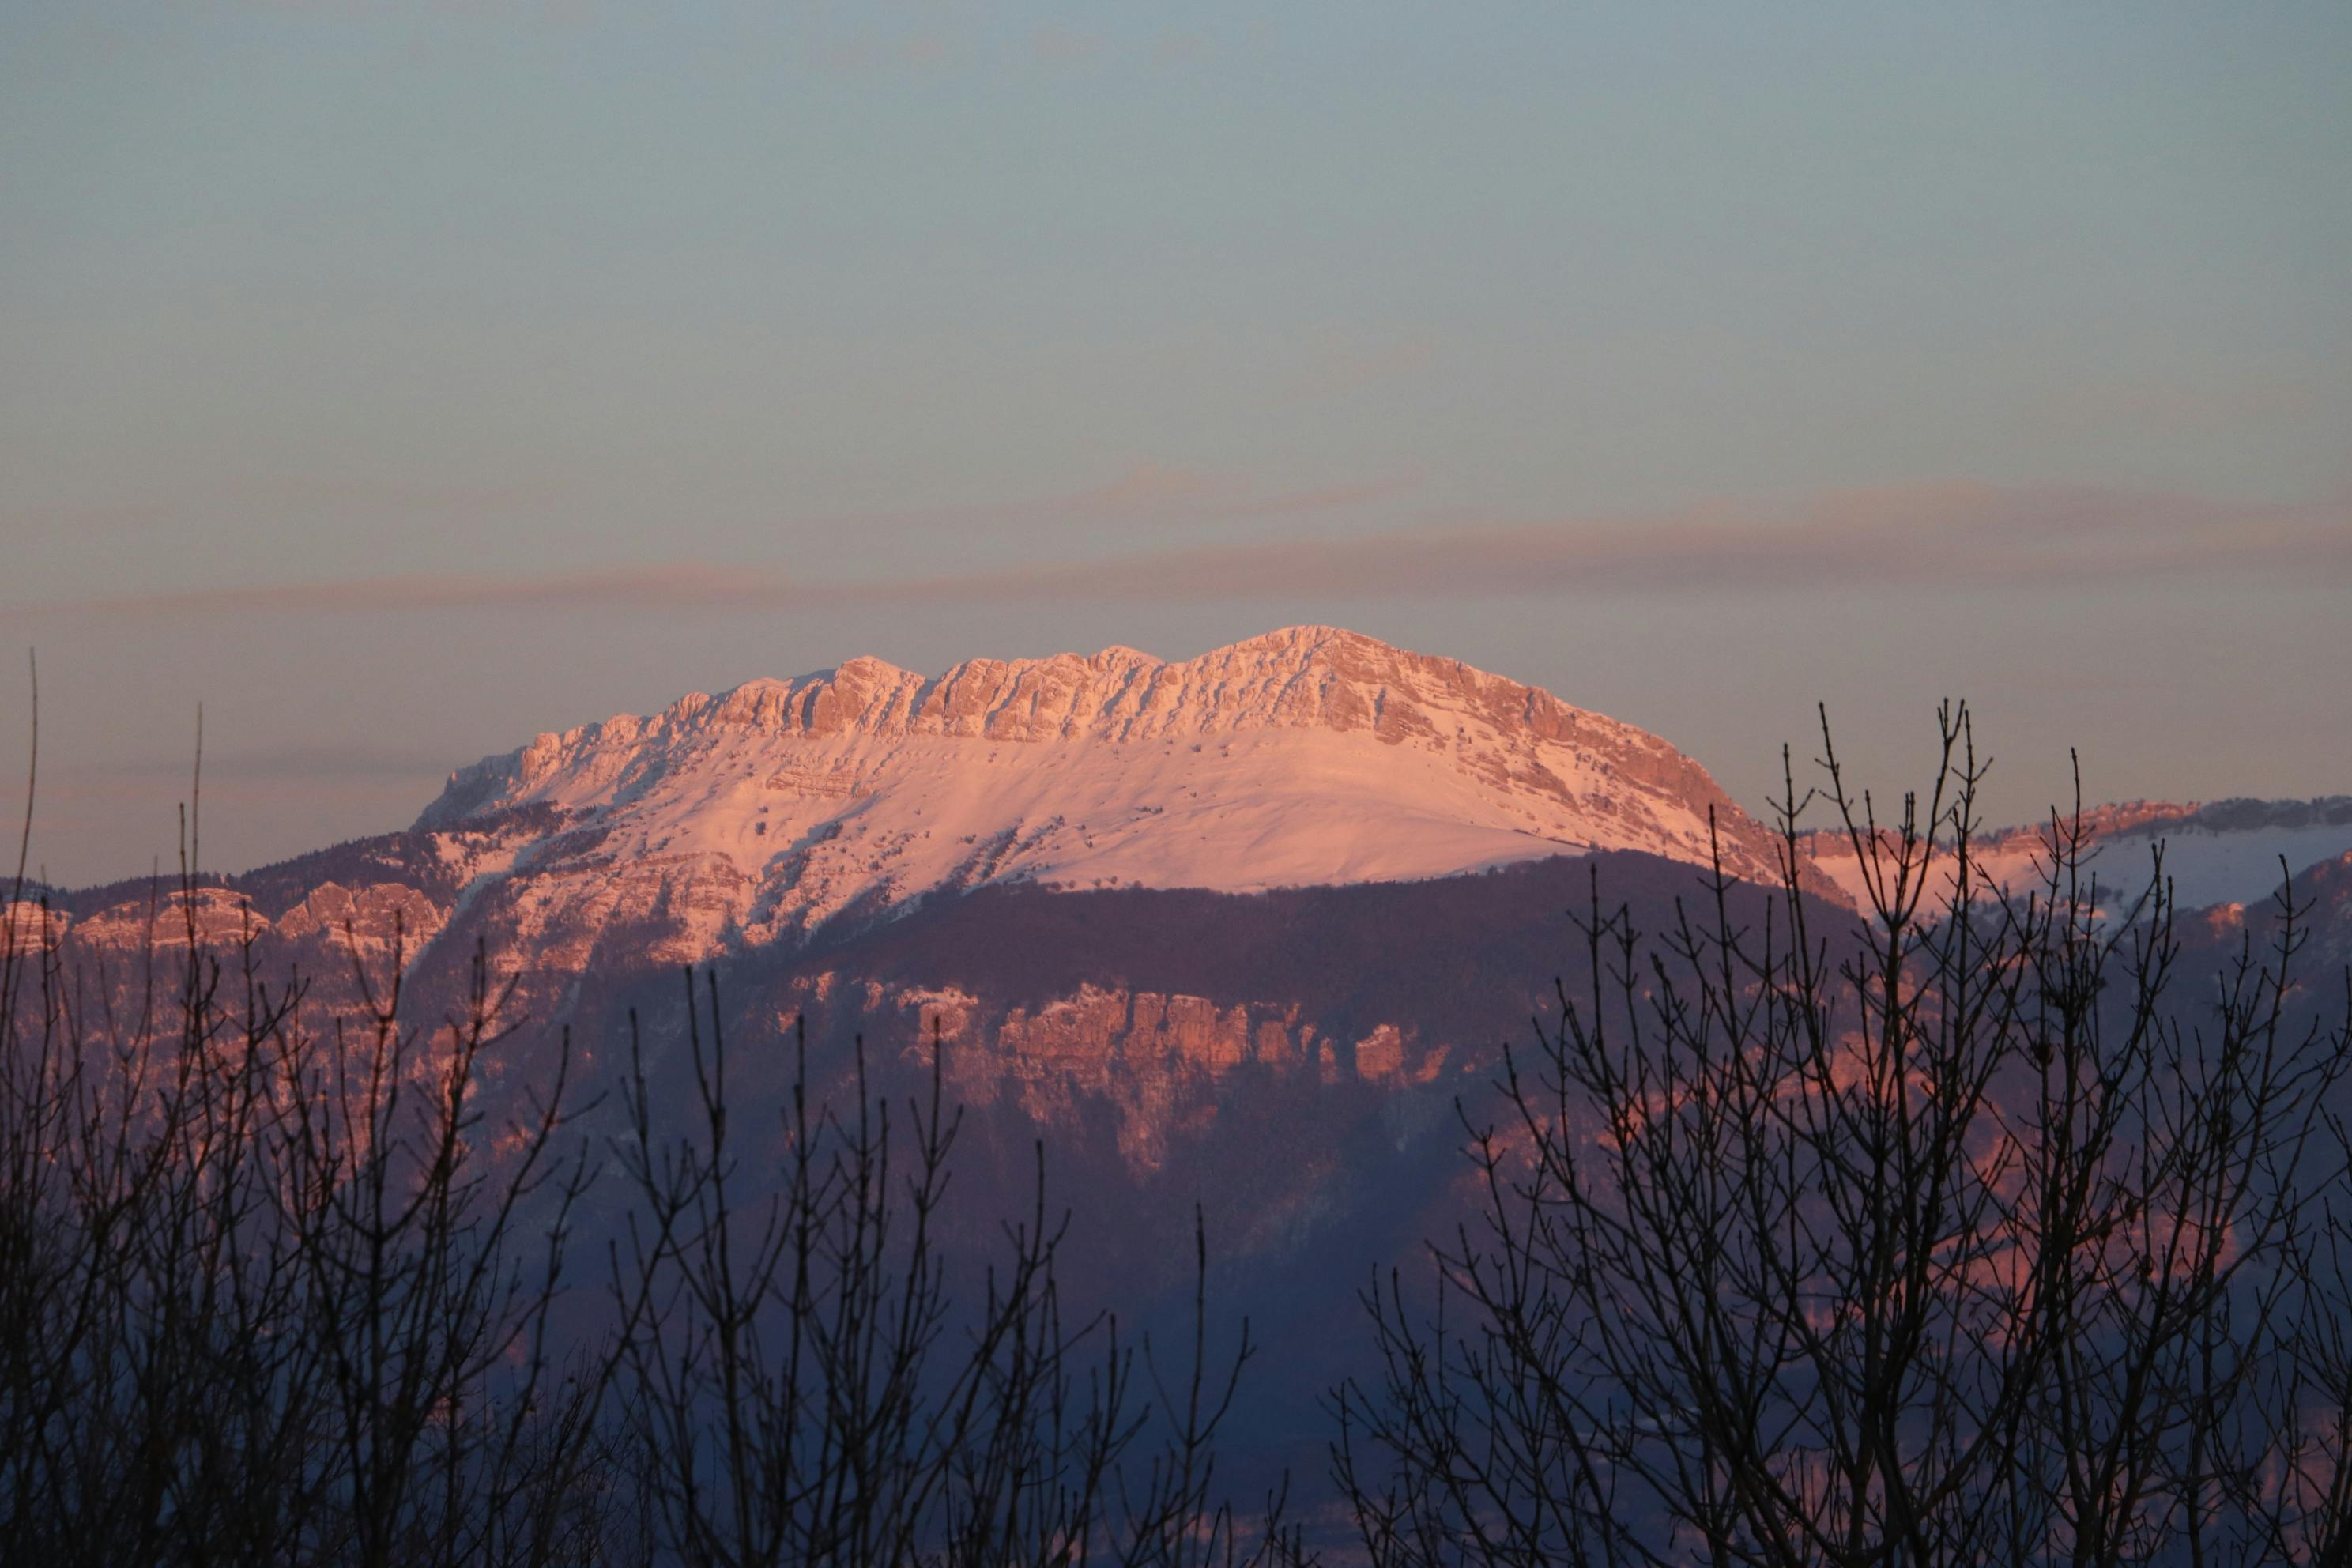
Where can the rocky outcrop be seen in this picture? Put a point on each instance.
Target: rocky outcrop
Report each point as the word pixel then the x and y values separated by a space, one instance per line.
pixel 1158 1058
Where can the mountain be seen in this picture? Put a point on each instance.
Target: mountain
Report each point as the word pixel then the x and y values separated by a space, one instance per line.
pixel 1242 930
pixel 787 817
pixel 1306 757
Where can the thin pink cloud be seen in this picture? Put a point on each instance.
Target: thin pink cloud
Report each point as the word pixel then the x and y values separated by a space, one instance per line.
pixel 670 586
pixel 1927 537
pixel 1328 498
pixel 1149 485
pixel 1169 493
pixel 284 494
pixel 1066 46
pixel 1354 366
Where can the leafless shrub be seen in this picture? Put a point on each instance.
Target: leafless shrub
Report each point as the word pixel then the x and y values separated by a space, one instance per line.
pixel 803 1384
pixel 262 1296
pixel 273 1290
pixel 1955 1234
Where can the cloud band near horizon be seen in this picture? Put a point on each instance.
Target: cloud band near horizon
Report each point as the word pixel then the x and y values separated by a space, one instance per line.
pixel 1957 536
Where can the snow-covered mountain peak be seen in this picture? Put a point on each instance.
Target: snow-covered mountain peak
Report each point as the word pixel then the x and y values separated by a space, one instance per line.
pixel 1307 755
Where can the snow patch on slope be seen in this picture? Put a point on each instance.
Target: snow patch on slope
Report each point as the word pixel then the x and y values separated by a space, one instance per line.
pixel 2229 852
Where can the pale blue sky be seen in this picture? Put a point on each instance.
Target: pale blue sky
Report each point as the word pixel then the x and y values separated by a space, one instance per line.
pixel 402 379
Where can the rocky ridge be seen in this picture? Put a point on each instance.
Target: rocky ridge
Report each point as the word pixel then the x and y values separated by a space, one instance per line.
pixel 1308 756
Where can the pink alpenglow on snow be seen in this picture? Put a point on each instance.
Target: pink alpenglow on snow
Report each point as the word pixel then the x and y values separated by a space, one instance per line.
pixel 1306 756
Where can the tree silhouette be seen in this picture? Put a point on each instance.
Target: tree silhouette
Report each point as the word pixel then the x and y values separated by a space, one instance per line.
pixel 1954 1234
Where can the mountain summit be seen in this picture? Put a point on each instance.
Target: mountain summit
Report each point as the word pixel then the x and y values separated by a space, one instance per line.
pixel 1307 757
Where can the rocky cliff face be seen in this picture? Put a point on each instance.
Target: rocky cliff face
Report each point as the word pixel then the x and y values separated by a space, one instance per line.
pixel 1156 1059
pixel 1317 678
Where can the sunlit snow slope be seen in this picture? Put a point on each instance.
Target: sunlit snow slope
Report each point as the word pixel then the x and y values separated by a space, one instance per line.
pixel 1305 757
pixel 2223 852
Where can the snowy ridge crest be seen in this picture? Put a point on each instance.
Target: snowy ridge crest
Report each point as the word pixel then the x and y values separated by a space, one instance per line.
pixel 1298 678
pixel 1310 755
